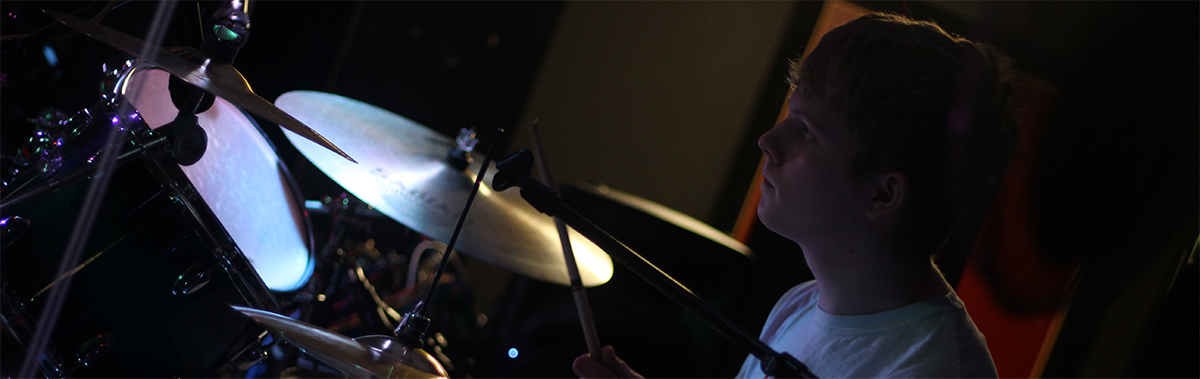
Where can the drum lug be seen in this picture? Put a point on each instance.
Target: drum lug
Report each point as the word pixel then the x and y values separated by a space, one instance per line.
pixel 51 370
pixel 191 280
pixel 43 148
pixel 12 228
pixel 94 348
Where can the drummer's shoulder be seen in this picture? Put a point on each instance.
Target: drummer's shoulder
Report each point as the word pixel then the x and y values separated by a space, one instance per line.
pixel 799 296
pixel 805 289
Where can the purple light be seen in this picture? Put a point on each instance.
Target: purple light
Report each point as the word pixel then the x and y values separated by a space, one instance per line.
pixel 114 120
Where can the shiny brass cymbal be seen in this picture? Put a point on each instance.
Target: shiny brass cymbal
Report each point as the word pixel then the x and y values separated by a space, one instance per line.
pixel 404 175
pixel 363 357
pixel 217 78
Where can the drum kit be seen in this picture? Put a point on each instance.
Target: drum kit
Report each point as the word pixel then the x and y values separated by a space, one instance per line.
pixel 152 234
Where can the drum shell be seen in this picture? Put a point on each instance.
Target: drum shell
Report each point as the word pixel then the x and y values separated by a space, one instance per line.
pixel 152 233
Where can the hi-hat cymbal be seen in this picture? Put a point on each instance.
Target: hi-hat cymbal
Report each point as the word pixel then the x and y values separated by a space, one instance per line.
pixel 363 357
pixel 404 175
pixel 217 78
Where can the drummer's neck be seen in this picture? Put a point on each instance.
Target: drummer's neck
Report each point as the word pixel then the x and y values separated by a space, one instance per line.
pixel 861 281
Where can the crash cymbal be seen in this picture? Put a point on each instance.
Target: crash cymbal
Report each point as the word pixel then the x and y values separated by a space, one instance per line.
pixel 217 78
pixel 363 357
pixel 404 175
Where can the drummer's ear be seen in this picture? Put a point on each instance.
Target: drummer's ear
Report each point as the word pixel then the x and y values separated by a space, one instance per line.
pixel 888 192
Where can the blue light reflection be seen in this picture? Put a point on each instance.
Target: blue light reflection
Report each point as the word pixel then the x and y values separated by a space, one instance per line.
pixel 51 56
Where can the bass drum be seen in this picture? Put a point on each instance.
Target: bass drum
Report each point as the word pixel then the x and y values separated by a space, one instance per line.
pixel 172 246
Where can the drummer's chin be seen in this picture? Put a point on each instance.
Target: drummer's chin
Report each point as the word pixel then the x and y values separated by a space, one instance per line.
pixel 767 217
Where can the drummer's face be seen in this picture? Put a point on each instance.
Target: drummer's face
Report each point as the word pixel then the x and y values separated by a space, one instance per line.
pixel 807 191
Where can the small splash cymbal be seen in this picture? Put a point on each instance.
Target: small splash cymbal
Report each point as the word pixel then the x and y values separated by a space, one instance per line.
pixel 363 357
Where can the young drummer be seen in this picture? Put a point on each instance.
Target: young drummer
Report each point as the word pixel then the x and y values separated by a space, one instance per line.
pixel 895 131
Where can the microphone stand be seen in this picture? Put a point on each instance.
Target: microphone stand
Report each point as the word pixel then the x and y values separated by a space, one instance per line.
pixel 514 170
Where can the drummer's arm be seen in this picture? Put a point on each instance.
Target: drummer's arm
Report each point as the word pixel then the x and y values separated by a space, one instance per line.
pixel 607 366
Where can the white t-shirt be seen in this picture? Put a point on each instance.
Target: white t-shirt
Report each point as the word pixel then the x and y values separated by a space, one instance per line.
pixel 934 338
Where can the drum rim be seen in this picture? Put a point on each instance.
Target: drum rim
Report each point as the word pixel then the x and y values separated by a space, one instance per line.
pixel 297 200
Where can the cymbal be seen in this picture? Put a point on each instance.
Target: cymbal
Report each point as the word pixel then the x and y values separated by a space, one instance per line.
pixel 217 78
pixel 404 175
pixel 650 208
pixel 659 233
pixel 363 357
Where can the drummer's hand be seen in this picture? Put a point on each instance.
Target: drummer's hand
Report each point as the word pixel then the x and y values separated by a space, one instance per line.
pixel 605 366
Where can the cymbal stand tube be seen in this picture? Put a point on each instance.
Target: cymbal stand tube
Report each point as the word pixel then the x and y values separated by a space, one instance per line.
pixel 412 328
pixel 582 305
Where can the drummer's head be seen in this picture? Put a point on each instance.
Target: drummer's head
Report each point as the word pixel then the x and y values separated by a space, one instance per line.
pixel 928 112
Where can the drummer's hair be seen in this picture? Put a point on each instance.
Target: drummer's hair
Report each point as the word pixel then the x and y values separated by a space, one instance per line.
pixel 921 101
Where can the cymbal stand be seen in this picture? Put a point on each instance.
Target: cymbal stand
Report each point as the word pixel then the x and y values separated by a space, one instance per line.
pixel 414 325
pixel 513 171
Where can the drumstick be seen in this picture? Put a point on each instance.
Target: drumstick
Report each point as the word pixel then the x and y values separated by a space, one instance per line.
pixel 581 300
